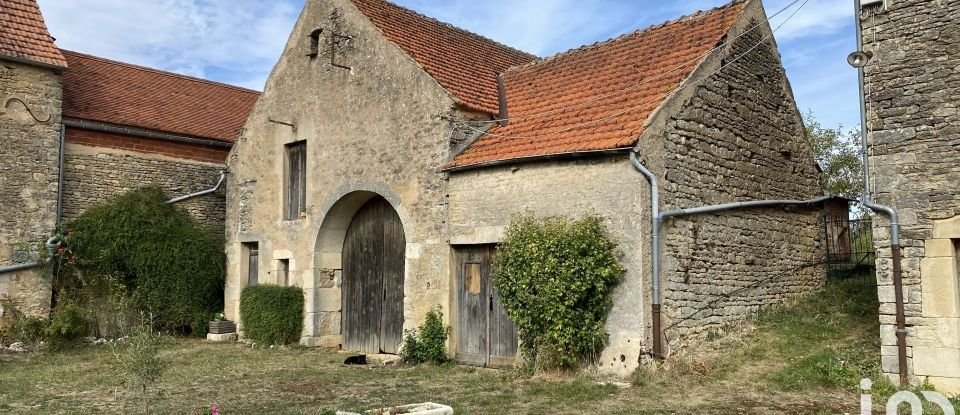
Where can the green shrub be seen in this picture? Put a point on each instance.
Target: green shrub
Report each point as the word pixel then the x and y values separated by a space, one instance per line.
pixel 272 314
pixel 170 267
pixel 68 327
pixel 30 330
pixel 554 277
pixel 428 343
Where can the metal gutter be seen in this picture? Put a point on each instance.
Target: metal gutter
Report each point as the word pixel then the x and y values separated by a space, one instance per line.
pixel 901 325
pixel 52 244
pixel 139 132
pixel 223 177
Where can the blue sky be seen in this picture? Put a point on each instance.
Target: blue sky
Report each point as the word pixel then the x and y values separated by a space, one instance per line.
pixel 238 41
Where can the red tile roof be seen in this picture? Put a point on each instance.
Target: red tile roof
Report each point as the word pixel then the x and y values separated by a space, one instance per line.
pixel 98 89
pixel 598 97
pixel 465 64
pixel 24 35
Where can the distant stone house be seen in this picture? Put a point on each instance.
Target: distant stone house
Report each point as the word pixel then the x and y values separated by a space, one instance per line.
pixel 389 152
pixel 123 127
pixel 913 131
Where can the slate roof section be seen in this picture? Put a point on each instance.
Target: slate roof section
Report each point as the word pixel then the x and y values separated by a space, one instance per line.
pixel 24 35
pixel 464 63
pixel 107 91
pixel 598 97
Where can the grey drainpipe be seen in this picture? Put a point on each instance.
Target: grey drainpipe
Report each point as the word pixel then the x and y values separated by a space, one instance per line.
pixel 901 330
pixel 63 140
pixel 52 244
pixel 658 218
pixel 223 176
pixel 655 253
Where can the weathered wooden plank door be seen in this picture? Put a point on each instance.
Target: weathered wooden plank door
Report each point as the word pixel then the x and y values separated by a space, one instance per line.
pixel 485 334
pixel 373 263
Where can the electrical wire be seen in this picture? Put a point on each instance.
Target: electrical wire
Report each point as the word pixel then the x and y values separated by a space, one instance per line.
pixel 658 99
pixel 644 81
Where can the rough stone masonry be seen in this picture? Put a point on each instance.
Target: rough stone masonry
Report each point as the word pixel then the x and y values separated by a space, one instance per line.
pixel 912 85
pixel 28 176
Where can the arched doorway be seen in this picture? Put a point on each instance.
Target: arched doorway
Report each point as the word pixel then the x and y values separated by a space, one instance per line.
pixel 373 267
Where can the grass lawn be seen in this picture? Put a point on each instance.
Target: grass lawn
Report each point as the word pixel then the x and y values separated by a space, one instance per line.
pixel 806 358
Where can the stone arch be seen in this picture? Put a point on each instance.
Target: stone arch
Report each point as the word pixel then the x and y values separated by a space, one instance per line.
pixel 324 311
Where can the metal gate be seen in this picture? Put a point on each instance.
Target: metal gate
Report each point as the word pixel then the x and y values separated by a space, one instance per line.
pixel 850 253
pixel 373 262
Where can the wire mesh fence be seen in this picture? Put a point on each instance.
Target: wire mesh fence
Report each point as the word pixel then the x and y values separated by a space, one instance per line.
pixel 850 252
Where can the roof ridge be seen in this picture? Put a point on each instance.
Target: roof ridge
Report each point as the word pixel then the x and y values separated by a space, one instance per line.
pixel 598 44
pixel 457 28
pixel 159 71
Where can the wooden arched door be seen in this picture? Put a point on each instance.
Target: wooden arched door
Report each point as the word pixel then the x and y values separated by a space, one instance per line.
pixel 373 261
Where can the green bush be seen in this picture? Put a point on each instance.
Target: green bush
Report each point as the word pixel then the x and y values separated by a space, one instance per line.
pixel 170 267
pixel 554 277
pixel 30 330
pixel 68 327
pixel 138 361
pixel 272 314
pixel 428 343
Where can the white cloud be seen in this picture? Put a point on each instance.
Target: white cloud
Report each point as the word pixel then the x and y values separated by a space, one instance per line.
pixel 236 39
pixel 817 18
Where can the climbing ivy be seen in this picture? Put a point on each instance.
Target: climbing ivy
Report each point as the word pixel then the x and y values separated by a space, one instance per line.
pixel 554 277
pixel 168 265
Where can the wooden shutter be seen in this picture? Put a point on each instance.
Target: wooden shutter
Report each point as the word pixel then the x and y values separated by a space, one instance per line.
pixel 296 180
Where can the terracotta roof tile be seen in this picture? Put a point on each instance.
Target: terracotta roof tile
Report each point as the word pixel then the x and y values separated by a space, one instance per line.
pixel 465 64
pixel 24 35
pixel 98 89
pixel 612 86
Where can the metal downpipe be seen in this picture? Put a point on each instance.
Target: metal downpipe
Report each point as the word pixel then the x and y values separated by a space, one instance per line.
pixel 223 176
pixel 655 253
pixel 901 330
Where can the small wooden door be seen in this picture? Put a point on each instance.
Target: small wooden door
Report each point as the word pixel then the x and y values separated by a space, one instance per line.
pixel 485 334
pixel 373 262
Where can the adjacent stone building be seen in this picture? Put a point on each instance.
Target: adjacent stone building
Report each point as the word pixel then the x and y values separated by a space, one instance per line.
pixel 30 100
pixel 77 130
pixel 913 132
pixel 389 152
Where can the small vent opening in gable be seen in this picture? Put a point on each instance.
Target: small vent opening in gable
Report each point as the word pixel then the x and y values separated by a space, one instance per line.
pixel 314 40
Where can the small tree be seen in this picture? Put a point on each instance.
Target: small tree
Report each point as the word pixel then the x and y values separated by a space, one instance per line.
pixel 839 156
pixel 554 277
pixel 139 361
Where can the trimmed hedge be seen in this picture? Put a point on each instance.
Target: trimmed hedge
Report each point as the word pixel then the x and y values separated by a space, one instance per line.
pixel 272 314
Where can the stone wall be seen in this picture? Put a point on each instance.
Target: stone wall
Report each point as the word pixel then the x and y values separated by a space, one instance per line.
pixel 94 175
pixel 373 129
pixel 29 157
pixel 912 85
pixel 737 136
pixel 483 201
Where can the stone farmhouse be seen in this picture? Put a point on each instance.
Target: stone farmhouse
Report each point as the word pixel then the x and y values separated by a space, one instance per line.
pixel 913 131
pixel 389 151
pixel 77 130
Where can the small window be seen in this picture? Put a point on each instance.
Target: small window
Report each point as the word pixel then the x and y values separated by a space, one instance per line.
pixel 253 262
pixel 314 43
pixel 283 272
pixel 295 190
